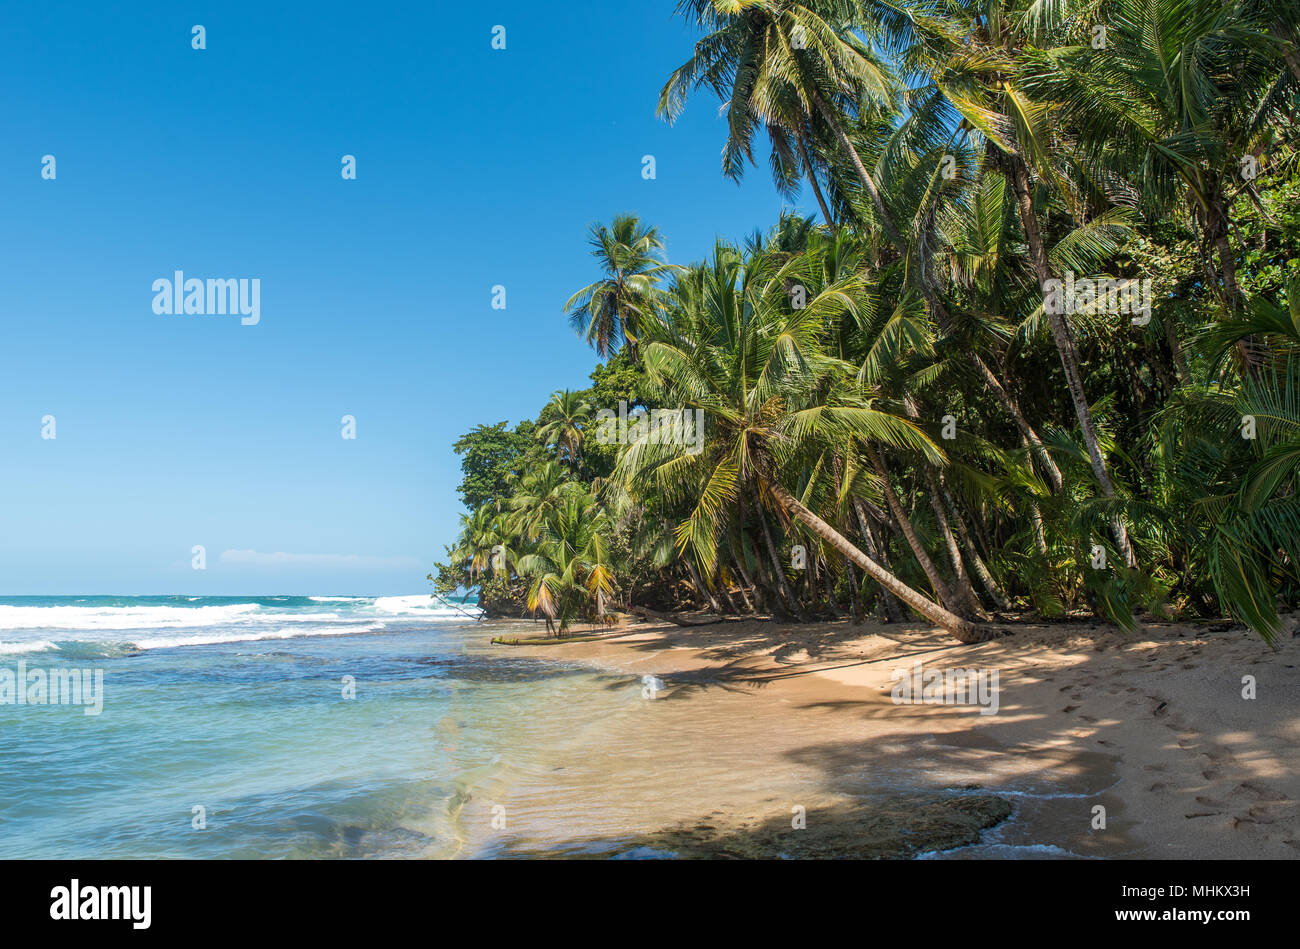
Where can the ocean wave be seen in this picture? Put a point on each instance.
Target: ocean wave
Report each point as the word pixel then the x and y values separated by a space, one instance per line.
pixel 108 649
pixel 40 645
pixel 212 639
pixel 422 604
pixel 120 617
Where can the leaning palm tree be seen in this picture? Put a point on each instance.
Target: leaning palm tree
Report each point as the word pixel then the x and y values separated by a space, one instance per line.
pixel 615 309
pixel 802 71
pixel 785 66
pixel 770 396
pixel 983 84
pixel 486 544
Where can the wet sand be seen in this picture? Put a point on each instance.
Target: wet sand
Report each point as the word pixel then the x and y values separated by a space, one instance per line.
pixel 763 726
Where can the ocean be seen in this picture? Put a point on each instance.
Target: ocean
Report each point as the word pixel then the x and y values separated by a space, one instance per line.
pixel 369 727
pixel 270 727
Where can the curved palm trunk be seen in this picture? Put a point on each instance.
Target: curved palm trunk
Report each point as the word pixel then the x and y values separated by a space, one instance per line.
pixel 964 630
pixel 832 119
pixel 812 180
pixel 963 589
pixel 941 589
pixel 1065 348
pixel 977 562
pixel 791 600
pixel 936 306
pixel 1012 407
pixel 893 609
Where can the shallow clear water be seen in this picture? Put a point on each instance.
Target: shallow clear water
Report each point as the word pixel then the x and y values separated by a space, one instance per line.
pixel 236 705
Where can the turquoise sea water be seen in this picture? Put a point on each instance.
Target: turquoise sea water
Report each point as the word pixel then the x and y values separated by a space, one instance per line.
pixel 236 705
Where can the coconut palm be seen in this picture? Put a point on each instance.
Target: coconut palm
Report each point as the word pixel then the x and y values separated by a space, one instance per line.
pixel 771 396
pixel 786 66
pixel 615 309
pixel 571 571
pixel 564 420
pixel 1183 97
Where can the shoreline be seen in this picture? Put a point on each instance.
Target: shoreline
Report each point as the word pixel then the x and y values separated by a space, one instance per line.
pixel 1151 727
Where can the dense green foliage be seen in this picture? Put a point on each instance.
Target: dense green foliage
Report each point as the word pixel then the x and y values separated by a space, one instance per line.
pixel 947 397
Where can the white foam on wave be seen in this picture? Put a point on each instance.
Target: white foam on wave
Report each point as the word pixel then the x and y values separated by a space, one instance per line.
pixel 147 617
pixel 422 604
pixel 211 639
pixel 120 617
pixel 40 645
pixel 338 599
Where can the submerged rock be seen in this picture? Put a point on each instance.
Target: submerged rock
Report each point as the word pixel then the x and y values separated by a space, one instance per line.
pixel 895 828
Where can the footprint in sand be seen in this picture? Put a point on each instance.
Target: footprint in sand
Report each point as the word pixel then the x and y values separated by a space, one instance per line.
pixel 1259 792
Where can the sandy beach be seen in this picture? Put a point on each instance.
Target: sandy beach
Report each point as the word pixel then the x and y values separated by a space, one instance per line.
pixel 760 724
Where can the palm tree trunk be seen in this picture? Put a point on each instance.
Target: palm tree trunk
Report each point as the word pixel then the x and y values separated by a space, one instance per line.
pixel 855 600
pixel 1234 301
pixel 704 590
pixel 833 120
pixel 812 180
pixel 1012 407
pixel 964 630
pixel 739 561
pixel 1065 348
pixel 977 562
pixel 791 601
pixel 941 589
pixel 740 585
pixel 963 589
pixel 931 298
pixel 893 609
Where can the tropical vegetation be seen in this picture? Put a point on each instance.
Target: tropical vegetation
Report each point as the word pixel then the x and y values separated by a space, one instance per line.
pixel 1037 353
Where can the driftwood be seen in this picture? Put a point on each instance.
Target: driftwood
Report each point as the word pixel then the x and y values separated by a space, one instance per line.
pixel 668 617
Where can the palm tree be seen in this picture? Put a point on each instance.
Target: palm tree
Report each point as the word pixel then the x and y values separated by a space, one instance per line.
pixel 615 309
pixel 802 91
pixel 1182 93
pixel 770 395
pixel 534 494
pixel 485 545
pixel 563 421
pixel 571 569
pixel 786 66
pixel 983 83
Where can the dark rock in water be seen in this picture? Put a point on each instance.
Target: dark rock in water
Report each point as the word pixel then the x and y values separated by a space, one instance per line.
pixel 897 828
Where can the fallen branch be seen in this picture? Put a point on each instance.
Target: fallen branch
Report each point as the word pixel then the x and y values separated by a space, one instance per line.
pixel 666 617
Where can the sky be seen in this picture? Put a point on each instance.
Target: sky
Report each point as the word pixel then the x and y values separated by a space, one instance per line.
pixel 474 167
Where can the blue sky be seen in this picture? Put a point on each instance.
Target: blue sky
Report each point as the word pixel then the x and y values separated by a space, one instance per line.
pixel 475 167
